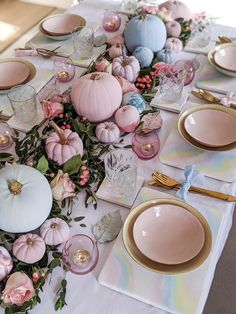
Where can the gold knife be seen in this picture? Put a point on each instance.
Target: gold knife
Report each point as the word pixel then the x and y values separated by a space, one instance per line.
pixel 219 195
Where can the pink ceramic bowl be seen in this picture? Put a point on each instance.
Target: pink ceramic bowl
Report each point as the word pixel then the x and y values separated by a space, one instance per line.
pixel 213 128
pixel 225 57
pixel 13 73
pixel 168 234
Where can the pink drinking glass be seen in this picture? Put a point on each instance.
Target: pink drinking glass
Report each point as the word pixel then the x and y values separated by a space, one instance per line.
pixel 111 21
pixel 80 254
pixel 146 145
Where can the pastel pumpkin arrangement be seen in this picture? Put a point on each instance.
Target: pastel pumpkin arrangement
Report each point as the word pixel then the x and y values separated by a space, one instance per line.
pixel 145 31
pixel 134 99
pixel 96 96
pixel 116 51
pixel 29 248
pixel 166 55
pixel 173 28
pixel 127 118
pixel 174 44
pixel 107 132
pixel 55 231
pixel 25 198
pixel 61 145
pixel 144 56
pixel 6 263
pixel 126 67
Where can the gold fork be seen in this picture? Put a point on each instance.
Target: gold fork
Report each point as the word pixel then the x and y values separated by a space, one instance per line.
pixel 203 94
pixel 169 182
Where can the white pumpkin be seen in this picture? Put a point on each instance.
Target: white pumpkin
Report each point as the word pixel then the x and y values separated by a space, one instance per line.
pixel 25 198
pixel 55 231
pixel 6 263
pixel 107 132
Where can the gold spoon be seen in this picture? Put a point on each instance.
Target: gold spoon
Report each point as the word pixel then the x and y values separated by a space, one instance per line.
pixel 209 97
pixel 224 39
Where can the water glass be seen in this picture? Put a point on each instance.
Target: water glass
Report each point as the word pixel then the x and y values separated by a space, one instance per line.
pixel 83 42
pixel 121 172
pixel 63 69
pixel 170 87
pixel 200 33
pixel 23 102
pixel 129 5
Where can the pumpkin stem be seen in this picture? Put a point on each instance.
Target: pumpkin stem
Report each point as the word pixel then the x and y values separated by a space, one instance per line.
pixel 29 241
pixel 60 133
pixel 15 187
pixel 95 76
pixel 142 16
pixel 54 225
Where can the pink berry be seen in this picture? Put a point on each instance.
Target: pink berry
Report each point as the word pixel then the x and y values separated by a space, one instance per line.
pixel 138 79
pixel 82 182
pixel 60 116
pixel 68 126
pixel 84 168
pixel 85 172
pixel 148 85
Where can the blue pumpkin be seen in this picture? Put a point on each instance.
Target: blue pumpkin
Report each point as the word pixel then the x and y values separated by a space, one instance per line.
pixel 134 99
pixel 144 56
pixel 146 31
pixel 166 55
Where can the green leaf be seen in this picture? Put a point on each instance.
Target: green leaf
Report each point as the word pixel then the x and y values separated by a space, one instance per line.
pixel 73 165
pixel 63 283
pixel 42 165
pixel 83 225
pixel 54 263
pixel 79 218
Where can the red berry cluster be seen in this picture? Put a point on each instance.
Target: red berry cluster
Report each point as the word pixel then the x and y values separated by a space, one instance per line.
pixel 64 125
pixel 147 81
pixel 84 177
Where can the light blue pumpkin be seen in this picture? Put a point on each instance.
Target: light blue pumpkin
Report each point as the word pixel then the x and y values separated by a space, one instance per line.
pixel 144 56
pixel 134 99
pixel 166 55
pixel 146 31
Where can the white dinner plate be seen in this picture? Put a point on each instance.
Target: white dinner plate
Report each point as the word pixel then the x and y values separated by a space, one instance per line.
pixel 225 57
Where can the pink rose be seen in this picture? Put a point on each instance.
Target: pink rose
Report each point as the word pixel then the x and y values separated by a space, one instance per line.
pixel 163 68
pixel 164 14
pixel 56 98
pixel 65 99
pixel 126 86
pixel 104 66
pixel 62 186
pixel 52 109
pixel 18 289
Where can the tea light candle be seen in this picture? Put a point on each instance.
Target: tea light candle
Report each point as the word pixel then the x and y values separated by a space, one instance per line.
pixel 111 21
pixel 81 258
pixel 63 75
pixel 147 149
pixel 4 140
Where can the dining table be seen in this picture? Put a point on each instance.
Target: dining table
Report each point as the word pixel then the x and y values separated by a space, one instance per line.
pixel 111 288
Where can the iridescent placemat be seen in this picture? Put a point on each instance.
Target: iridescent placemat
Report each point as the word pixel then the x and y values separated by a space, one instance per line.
pixel 184 293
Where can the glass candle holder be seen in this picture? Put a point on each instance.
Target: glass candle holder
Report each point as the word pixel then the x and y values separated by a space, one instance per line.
pixel 24 102
pixel 146 145
pixel 80 254
pixel 64 69
pixel 190 67
pixel 111 21
pixel 6 136
pixel 83 42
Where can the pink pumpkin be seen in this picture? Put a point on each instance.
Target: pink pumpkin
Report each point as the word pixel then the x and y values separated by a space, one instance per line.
pixel 127 68
pixel 29 248
pixel 96 96
pixel 127 118
pixel 6 263
pixel 174 44
pixel 117 39
pixel 55 231
pixel 178 9
pixel 107 132
pixel 116 51
pixel 173 28
pixel 61 145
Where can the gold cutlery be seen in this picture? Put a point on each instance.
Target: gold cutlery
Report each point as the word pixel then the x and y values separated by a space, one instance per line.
pixel 203 94
pixel 224 39
pixel 166 181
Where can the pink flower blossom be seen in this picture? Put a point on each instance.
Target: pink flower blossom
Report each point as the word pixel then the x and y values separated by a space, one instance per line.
pixel 62 186
pixel 163 68
pixel 52 109
pixel 26 52
pixel 104 66
pixel 35 277
pixel 164 14
pixel 56 98
pixel 18 289
pixel 126 85
pixel 65 99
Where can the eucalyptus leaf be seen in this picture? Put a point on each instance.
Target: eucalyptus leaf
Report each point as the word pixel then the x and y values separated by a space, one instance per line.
pixel 72 165
pixel 108 227
pixel 42 164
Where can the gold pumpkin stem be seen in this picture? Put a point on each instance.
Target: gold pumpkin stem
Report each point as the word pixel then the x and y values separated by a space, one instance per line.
pixel 60 133
pixel 54 225
pixel 142 16
pixel 95 76
pixel 29 241
pixel 15 187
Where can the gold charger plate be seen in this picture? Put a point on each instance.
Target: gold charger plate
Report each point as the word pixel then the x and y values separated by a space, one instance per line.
pixel 195 143
pixel 215 65
pixel 144 261
pixel 26 62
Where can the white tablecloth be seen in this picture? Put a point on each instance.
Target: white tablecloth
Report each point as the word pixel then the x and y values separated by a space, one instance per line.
pixel 84 294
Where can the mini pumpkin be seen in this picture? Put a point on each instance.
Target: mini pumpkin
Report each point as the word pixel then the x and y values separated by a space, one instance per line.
pixel 107 132
pixel 55 231
pixel 166 55
pixel 173 28
pixel 126 67
pixel 29 248
pixel 6 263
pixel 25 198
pixel 144 56
pixel 178 9
pixel 127 118
pixel 134 99
pixel 116 51
pixel 174 44
pixel 61 145
pixel 96 96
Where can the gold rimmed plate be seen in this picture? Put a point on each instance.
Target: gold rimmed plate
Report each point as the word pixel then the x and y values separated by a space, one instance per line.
pixel 32 70
pixel 212 62
pixel 187 137
pixel 143 260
